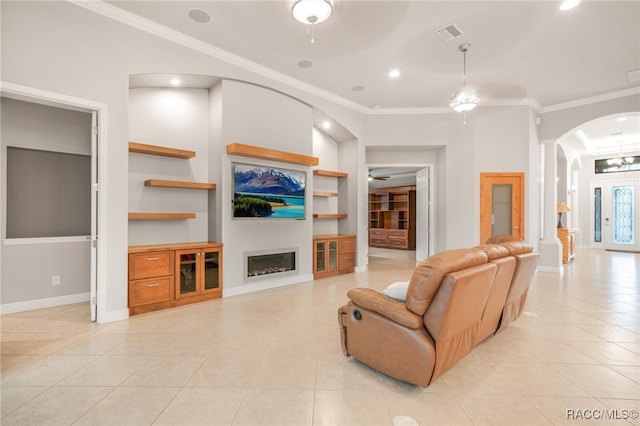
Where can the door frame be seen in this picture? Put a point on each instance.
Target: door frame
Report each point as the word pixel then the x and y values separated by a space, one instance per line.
pixel 431 207
pixel 487 179
pixel 98 304
pixel 606 186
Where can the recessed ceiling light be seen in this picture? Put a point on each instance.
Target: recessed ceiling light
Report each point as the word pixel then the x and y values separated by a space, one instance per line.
pixel 619 119
pixel 358 88
pixel 305 64
pixel 394 73
pixel 569 4
pixel 199 15
pixel 175 82
pixel 326 124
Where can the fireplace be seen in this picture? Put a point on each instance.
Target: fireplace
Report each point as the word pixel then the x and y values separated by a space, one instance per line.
pixel 270 263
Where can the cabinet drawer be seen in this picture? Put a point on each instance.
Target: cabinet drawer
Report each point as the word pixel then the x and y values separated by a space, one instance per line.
pixel 347 261
pixel 347 245
pixel 152 264
pixel 378 232
pixel 398 233
pixel 398 242
pixel 378 242
pixel 143 292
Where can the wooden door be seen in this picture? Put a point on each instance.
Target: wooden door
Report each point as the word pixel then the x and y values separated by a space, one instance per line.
pixel 501 204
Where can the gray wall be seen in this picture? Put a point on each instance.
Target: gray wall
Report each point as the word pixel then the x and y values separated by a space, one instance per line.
pixel 27 268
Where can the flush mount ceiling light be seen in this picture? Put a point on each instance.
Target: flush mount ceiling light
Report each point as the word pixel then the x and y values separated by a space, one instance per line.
pixel 569 4
pixel 464 99
pixel 311 12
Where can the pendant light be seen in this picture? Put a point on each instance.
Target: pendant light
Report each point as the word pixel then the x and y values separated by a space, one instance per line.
pixel 464 99
pixel 311 12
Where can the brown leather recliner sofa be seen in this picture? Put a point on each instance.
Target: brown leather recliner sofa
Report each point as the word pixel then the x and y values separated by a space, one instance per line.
pixel 455 299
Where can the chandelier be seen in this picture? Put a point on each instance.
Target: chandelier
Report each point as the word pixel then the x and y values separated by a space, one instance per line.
pixel 464 99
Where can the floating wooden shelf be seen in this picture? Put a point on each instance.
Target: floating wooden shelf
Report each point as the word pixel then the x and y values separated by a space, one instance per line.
pixel 329 173
pixel 179 184
pixel 164 151
pixel 324 194
pixel 161 216
pixel 330 215
pixel 271 154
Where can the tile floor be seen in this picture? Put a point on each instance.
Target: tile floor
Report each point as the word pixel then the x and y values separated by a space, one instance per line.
pixel 274 358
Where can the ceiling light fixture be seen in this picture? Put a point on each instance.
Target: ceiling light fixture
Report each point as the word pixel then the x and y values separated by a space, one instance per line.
pixel 394 73
pixel 326 124
pixel 569 4
pixel 311 12
pixel 466 98
pixel 620 161
pixel 175 82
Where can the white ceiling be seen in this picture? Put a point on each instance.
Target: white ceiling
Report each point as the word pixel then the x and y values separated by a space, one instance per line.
pixel 521 51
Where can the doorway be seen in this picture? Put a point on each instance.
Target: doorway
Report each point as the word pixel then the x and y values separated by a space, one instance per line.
pixel 97 267
pixel 616 215
pixel 501 204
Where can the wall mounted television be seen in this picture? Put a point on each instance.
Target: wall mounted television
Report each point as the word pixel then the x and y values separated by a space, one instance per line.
pixel 268 192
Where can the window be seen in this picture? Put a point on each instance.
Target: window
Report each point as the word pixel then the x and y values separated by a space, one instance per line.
pixel 48 193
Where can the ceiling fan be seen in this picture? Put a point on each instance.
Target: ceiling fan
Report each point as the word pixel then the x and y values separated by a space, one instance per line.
pixel 371 177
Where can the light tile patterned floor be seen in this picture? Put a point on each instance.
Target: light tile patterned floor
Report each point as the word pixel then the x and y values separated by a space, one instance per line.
pixel 274 358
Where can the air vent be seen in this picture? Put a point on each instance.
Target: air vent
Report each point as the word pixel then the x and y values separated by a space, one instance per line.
pixel 449 32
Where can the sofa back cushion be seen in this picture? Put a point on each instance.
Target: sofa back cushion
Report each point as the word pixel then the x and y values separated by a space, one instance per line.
pixel 453 318
pixel 526 266
pixel 426 278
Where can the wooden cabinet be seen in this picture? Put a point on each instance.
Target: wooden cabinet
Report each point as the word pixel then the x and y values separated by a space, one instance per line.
pixel 199 272
pixel 333 255
pixel 163 276
pixel 568 239
pixel 392 218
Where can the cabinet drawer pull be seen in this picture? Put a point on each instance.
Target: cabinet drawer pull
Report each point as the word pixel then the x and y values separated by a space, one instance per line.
pixel 153 285
pixel 153 258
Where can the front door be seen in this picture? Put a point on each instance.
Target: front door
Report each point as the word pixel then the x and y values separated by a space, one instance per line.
pixel 501 204
pixel 616 215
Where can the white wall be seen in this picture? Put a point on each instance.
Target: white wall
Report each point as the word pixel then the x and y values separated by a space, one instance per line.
pixel 175 118
pixel 254 115
pixel 326 149
pixel 27 268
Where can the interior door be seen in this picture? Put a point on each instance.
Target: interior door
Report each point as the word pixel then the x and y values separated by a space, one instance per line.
pixel 501 204
pixel 423 213
pixel 617 215
pixel 93 280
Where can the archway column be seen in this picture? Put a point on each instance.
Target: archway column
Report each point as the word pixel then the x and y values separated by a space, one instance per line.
pixel 550 246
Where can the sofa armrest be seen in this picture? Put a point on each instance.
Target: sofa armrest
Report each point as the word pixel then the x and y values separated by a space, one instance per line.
pixel 377 302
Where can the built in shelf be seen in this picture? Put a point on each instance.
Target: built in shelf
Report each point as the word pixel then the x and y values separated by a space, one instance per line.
pixel 324 194
pixel 271 154
pixel 178 184
pixel 330 215
pixel 329 173
pixel 161 216
pixel 142 148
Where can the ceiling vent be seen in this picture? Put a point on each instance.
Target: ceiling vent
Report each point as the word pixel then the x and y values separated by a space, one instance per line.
pixel 449 32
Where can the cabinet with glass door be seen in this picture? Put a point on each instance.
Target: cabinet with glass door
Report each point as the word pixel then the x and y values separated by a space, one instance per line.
pixel 199 272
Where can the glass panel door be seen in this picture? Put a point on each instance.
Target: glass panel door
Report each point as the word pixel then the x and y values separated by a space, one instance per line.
pixel 188 274
pixel 211 270
pixel 320 265
pixel 333 254
pixel 620 205
pixel 501 209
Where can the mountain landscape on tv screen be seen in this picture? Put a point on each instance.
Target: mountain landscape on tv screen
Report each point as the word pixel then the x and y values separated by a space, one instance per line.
pixel 263 180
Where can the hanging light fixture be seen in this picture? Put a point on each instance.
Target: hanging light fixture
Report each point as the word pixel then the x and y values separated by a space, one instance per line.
pixel 311 12
pixel 466 98
pixel 620 161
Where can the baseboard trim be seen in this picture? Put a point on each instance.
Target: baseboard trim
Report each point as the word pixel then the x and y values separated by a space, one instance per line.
pixel 49 302
pixel 244 289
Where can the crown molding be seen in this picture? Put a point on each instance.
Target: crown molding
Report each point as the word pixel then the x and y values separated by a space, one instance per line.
pixel 151 27
pixel 592 100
